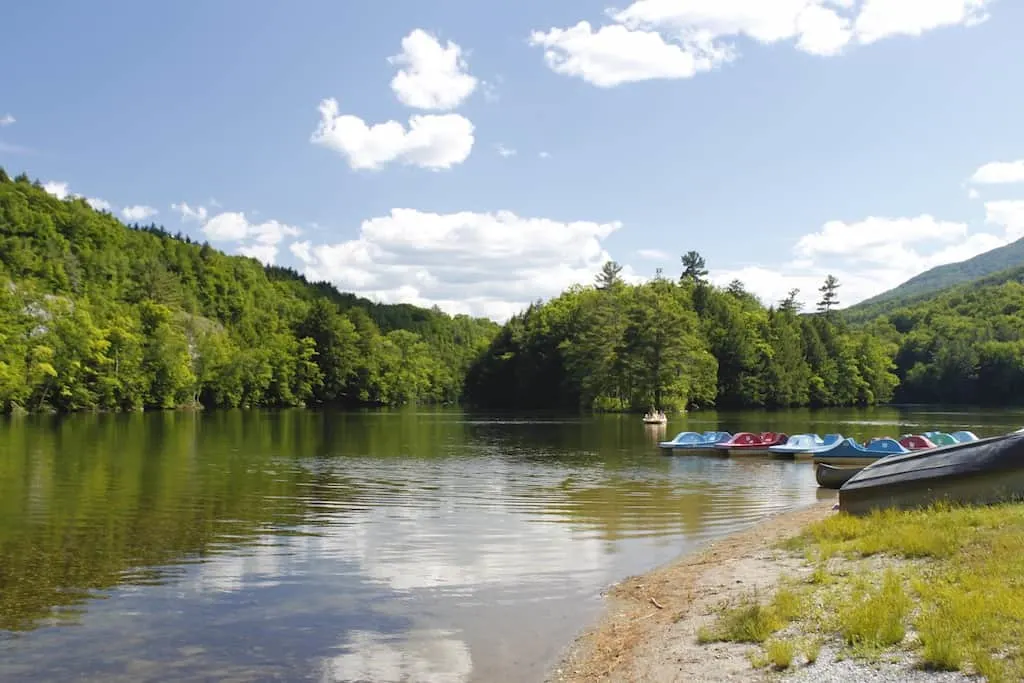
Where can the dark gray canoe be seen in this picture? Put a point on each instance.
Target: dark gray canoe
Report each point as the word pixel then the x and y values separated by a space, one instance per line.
pixel 975 473
pixel 832 477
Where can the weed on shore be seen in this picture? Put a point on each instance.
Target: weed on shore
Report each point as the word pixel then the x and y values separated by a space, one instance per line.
pixel 945 583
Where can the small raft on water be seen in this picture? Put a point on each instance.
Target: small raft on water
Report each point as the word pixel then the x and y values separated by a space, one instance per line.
pixel 655 418
pixel 978 472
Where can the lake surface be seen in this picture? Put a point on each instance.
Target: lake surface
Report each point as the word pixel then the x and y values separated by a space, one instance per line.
pixel 394 546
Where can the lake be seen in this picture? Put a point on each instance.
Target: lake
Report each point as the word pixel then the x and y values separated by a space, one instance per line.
pixel 417 545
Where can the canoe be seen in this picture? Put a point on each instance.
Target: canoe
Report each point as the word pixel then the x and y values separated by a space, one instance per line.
pixel 694 442
pixel 748 443
pixel 831 477
pixel 978 472
pixel 849 452
pixel 804 445
pixel 656 420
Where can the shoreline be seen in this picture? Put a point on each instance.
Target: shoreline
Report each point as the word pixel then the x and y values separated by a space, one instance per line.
pixel 648 629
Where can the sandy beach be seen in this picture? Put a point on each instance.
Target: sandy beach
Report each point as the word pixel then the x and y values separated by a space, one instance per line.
pixel 648 632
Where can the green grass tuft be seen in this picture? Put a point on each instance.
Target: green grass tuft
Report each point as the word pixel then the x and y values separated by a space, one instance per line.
pixel 871 619
pixel 811 649
pixel 780 653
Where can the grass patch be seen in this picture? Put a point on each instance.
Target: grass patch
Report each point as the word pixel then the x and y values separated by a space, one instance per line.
pixel 748 622
pixel 870 618
pixel 953 575
pixel 780 653
pixel 811 649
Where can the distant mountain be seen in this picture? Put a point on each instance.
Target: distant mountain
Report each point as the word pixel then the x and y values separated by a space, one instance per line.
pixel 942 277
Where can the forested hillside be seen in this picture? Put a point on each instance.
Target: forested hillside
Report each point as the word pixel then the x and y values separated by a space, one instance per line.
pixel 961 346
pixel 920 287
pixel 669 344
pixel 96 315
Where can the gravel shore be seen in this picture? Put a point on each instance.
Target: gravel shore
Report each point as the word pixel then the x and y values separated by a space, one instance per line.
pixel 649 632
pixel 829 670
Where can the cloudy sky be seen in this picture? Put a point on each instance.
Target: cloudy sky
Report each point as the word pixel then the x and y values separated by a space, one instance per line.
pixel 480 155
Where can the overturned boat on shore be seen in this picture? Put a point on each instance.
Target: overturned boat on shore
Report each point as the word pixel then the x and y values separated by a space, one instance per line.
pixel 978 472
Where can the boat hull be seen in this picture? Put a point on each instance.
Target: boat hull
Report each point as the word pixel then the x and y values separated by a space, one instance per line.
pixel 792 455
pixel 974 473
pixel 847 460
pixel 830 477
pixel 740 451
pixel 687 449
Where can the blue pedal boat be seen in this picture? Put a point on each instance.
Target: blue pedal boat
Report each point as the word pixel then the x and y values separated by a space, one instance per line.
pixel 848 452
pixel 694 442
pixel 804 445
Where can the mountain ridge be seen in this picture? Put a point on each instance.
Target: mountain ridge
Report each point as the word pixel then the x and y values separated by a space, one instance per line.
pixel 946 276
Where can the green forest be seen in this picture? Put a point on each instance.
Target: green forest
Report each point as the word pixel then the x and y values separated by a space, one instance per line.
pixel 964 345
pixel 97 315
pixel 680 344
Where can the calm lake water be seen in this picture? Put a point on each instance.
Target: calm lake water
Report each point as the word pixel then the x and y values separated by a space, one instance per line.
pixel 317 546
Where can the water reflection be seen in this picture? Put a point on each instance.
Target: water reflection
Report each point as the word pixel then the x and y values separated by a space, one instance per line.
pixel 433 656
pixel 418 545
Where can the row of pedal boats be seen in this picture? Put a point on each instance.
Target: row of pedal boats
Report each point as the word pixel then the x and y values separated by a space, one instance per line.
pixel 832 449
pixel 909 472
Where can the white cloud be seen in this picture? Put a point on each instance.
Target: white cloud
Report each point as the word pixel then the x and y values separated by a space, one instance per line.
pixel 545 155
pixel 197 214
pixel 885 18
pixel 261 238
pixel 875 254
pixel 505 151
pixel 431 141
pixel 973 193
pixel 138 212
pixel 999 172
pixel 1009 214
pixel 61 190
pixel 58 189
pixel 258 240
pixel 490 91
pixel 7 120
pixel 652 254
pixel 680 38
pixel 490 264
pixel 876 238
pixel 264 253
pixel 614 55
pixel 434 76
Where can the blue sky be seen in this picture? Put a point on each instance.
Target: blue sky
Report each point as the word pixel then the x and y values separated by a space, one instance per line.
pixel 782 139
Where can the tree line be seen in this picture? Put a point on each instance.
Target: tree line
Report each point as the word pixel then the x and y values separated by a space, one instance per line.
pixel 95 315
pixel 680 344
